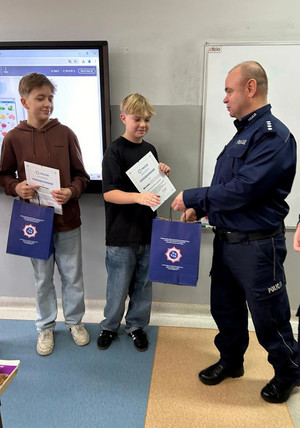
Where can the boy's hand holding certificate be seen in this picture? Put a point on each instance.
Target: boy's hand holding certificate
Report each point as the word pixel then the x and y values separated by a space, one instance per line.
pixel 48 180
pixel 147 177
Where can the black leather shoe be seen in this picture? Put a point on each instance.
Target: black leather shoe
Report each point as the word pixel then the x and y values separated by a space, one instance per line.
pixel 140 339
pixel 105 339
pixel 216 373
pixel 275 392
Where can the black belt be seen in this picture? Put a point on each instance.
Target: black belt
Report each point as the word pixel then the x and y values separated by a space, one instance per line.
pixel 236 237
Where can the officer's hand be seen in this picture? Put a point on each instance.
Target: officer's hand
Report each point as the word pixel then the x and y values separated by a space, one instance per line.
pixel 189 215
pixel 178 204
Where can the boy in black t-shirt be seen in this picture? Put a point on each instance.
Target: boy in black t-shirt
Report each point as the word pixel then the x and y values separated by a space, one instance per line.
pixel 128 228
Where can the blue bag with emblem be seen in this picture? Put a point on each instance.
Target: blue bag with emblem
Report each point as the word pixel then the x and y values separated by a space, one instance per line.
pixel 31 230
pixel 174 253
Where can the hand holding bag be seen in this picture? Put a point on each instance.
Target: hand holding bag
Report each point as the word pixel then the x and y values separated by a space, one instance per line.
pixel 174 253
pixel 31 230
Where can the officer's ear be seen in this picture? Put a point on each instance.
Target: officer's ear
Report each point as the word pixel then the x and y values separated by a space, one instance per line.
pixel 251 87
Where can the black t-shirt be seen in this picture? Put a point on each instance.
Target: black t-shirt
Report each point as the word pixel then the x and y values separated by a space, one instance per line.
pixel 125 224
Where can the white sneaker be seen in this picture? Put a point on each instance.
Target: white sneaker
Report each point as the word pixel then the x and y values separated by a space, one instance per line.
pixel 80 334
pixel 45 342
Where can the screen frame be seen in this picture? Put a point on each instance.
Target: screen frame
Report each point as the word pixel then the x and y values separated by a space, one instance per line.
pixel 94 186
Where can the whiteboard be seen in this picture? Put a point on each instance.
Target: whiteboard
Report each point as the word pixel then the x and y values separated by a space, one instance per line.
pixel 282 65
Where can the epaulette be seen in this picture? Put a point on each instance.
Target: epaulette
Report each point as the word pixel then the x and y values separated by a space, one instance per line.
pixel 269 126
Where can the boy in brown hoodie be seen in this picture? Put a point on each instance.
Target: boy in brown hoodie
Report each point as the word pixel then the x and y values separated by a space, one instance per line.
pixel 47 142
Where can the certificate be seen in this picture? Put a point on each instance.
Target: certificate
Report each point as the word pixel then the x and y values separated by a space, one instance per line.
pixel 147 177
pixel 48 179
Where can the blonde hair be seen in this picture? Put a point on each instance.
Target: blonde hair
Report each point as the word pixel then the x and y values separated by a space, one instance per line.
pixel 32 81
pixel 136 104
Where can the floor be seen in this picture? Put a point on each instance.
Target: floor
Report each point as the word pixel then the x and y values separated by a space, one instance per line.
pixel 176 315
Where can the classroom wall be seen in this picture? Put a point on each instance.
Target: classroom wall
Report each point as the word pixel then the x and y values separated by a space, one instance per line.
pixel 156 48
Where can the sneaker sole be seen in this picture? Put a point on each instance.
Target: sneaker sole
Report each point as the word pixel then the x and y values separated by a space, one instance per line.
pixel 141 349
pixel 81 344
pixel 103 348
pixel 44 353
pixel 86 342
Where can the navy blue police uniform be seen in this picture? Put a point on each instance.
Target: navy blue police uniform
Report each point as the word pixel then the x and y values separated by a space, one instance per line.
pixel 246 205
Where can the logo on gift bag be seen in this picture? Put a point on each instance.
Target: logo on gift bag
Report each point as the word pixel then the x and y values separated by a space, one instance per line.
pixel 173 254
pixel 30 231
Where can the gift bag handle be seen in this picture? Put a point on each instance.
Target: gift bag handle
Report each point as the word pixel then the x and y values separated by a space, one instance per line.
pixel 171 217
pixel 38 198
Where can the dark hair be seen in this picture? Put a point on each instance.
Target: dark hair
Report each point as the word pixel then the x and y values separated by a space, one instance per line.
pixel 34 80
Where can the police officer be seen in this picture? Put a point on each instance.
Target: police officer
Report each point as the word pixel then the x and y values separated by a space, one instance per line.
pixel 246 205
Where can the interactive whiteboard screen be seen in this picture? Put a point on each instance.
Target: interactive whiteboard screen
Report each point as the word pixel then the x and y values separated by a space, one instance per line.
pixel 79 71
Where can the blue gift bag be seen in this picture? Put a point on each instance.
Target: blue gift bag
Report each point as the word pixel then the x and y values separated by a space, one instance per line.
pixel 31 231
pixel 174 253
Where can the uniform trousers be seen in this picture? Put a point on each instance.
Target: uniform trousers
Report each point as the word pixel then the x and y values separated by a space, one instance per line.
pixel 250 275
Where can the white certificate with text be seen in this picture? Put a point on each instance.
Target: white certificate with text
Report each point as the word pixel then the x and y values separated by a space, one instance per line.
pixel 147 177
pixel 48 179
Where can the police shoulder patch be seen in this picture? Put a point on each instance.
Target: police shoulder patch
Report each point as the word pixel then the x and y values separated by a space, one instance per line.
pixel 269 126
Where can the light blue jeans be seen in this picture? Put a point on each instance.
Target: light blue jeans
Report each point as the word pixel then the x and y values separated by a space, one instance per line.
pixel 68 257
pixel 128 274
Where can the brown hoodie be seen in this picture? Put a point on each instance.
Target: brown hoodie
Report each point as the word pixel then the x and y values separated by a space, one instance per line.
pixel 55 146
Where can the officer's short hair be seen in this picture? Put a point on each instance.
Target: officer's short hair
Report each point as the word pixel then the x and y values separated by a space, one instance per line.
pixel 254 70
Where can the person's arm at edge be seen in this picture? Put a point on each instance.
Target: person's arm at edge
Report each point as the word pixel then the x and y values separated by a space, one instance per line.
pixel 297 237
